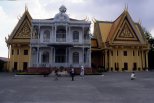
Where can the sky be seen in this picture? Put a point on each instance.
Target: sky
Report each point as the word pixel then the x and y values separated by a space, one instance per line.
pixel 105 10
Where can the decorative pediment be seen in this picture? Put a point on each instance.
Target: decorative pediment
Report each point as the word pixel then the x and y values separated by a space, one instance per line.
pixel 126 32
pixel 23 31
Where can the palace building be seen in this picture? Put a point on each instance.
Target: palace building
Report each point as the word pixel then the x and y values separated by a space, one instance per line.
pixel 119 45
pixel 63 42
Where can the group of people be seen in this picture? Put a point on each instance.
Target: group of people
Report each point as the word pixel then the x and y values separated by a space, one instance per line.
pixel 72 73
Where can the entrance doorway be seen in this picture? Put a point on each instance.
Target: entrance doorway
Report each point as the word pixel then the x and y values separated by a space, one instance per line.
pixel 15 66
pixel 25 65
pixel 60 55
pixel 134 66
pixel 125 66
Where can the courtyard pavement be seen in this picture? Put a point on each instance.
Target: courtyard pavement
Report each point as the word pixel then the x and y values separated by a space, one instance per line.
pixel 110 88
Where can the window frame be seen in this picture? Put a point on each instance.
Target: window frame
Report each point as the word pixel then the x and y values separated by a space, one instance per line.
pixel 76 36
pixel 26 52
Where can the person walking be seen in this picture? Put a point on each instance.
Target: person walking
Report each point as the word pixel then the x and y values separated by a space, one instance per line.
pixel 72 73
pixel 82 71
pixel 56 74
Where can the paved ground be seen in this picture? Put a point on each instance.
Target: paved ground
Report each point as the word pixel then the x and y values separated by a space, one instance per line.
pixel 111 88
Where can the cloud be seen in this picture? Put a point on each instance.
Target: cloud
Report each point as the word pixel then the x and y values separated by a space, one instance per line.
pixel 6 24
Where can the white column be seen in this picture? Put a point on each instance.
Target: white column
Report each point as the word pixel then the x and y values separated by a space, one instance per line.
pixel 50 58
pixel 66 33
pixel 52 36
pixel 70 56
pixel 83 44
pixel 55 32
pixel 54 55
pixel 40 58
pixel 39 32
pixel 37 57
pixel 69 36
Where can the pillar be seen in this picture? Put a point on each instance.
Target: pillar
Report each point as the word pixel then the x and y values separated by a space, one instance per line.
pixel 147 60
pixel 55 32
pixel 37 57
pixel 106 60
pixel 83 44
pixel 110 59
pixel 8 63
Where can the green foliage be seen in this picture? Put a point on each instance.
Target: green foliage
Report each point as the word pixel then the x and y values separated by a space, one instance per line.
pixel 147 34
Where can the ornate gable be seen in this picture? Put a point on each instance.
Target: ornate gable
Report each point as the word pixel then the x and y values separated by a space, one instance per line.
pixel 126 32
pixel 24 30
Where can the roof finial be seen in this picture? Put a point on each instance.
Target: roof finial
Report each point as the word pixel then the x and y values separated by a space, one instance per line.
pixel 62 9
pixel 126 7
pixel 93 20
pixel 26 8
pixel 140 21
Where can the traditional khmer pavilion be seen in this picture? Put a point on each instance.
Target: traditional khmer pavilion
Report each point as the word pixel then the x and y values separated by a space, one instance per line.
pixel 119 45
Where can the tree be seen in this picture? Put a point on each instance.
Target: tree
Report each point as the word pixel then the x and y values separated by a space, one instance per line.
pixel 151 51
pixel 147 34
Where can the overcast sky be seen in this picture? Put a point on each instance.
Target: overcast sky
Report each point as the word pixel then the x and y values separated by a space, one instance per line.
pixel 107 10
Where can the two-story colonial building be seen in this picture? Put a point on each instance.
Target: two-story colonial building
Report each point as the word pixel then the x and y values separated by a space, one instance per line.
pixel 60 41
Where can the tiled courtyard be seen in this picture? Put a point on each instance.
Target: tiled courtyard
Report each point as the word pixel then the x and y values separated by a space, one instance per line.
pixel 110 88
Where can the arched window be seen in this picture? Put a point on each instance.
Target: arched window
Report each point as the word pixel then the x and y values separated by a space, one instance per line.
pixel 45 57
pixel 46 36
pixel 76 57
pixel 75 36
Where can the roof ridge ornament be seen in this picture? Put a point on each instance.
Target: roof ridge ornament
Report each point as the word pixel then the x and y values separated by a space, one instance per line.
pixel 62 9
pixel 140 21
pixel 126 7
pixel 26 8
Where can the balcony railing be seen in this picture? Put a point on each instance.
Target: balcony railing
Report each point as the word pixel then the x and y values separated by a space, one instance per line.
pixel 60 39
pixel 46 40
pixel 63 40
